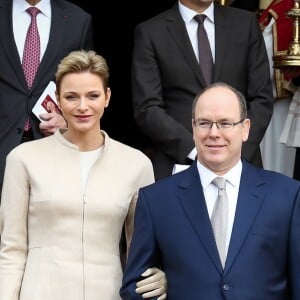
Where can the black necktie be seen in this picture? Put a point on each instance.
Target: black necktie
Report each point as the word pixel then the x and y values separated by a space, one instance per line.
pixel 205 56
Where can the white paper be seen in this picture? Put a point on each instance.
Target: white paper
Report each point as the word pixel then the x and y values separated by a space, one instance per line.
pixel 47 102
pixel 178 168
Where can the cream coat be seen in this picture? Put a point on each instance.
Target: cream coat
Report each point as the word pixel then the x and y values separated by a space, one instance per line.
pixel 60 241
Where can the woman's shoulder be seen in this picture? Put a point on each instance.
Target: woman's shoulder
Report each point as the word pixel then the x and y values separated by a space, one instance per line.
pixel 127 151
pixel 132 163
pixel 124 154
pixel 31 147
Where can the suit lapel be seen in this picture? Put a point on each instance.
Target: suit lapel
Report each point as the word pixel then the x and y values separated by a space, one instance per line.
pixel 194 205
pixel 56 38
pixel 250 199
pixel 221 33
pixel 8 42
pixel 177 29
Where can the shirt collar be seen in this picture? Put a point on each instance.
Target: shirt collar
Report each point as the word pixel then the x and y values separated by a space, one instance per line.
pixel 44 6
pixel 189 14
pixel 233 176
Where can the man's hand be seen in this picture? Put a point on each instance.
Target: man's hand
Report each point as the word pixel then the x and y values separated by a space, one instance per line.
pixel 154 285
pixel 51 122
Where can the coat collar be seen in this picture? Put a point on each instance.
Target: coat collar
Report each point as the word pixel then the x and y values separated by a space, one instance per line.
pixel 176 27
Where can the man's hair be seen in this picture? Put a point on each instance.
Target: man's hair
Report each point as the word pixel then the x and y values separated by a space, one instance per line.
pixel 239 95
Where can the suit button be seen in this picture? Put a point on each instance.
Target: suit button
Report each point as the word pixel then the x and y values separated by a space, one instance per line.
pixel 19 130
pixel 226 287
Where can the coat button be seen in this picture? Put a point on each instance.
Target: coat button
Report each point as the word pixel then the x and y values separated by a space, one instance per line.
pixel 19 130
pixel 226 287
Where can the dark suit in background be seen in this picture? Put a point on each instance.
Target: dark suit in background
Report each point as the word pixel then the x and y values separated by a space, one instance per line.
pixel 71 29
pixel 166 77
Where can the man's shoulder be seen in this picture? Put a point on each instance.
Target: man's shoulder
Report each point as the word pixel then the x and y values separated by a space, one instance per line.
pixel 181 179
pixel 273 179
pixel 70 7
pixel 279 178
pixel 158 19
pixel 235 11
pixel 234 15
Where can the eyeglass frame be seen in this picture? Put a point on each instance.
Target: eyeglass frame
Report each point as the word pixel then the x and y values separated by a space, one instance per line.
pixel 218 125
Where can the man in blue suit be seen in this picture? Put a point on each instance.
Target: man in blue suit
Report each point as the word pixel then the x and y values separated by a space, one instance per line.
pixel 173 217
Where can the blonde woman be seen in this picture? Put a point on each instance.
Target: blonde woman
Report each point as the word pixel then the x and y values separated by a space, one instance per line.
pixel 66 198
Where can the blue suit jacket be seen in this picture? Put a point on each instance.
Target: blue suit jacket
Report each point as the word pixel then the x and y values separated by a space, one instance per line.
pixel 173 231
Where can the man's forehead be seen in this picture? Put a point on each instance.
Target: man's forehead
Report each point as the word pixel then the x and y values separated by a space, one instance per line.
pixel 219 96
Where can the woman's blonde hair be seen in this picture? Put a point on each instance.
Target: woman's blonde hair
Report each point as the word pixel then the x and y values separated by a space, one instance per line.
pixel 82 61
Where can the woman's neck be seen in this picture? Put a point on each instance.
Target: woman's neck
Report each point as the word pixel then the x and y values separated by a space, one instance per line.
pixel 85 142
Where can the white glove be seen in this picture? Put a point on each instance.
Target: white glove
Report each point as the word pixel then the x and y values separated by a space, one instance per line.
pixel 154 285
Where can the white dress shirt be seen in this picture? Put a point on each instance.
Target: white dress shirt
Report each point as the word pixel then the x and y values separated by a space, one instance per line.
pixel 192 26
pixel 211 191
pixel 87 160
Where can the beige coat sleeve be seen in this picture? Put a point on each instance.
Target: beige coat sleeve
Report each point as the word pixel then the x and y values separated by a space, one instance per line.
pixel 14 211
pixel 145 177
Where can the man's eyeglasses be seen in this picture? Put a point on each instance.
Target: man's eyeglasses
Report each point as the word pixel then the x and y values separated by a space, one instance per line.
pixel 220 124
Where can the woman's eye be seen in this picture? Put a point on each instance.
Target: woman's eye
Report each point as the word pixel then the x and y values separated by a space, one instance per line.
pixel 94 96
pixel 70 97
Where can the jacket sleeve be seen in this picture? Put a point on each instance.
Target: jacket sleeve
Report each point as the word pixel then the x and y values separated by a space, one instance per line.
pixel 14 212
pixel 259 93
pixel 143 252
pixel 145 177
pixel 151 82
